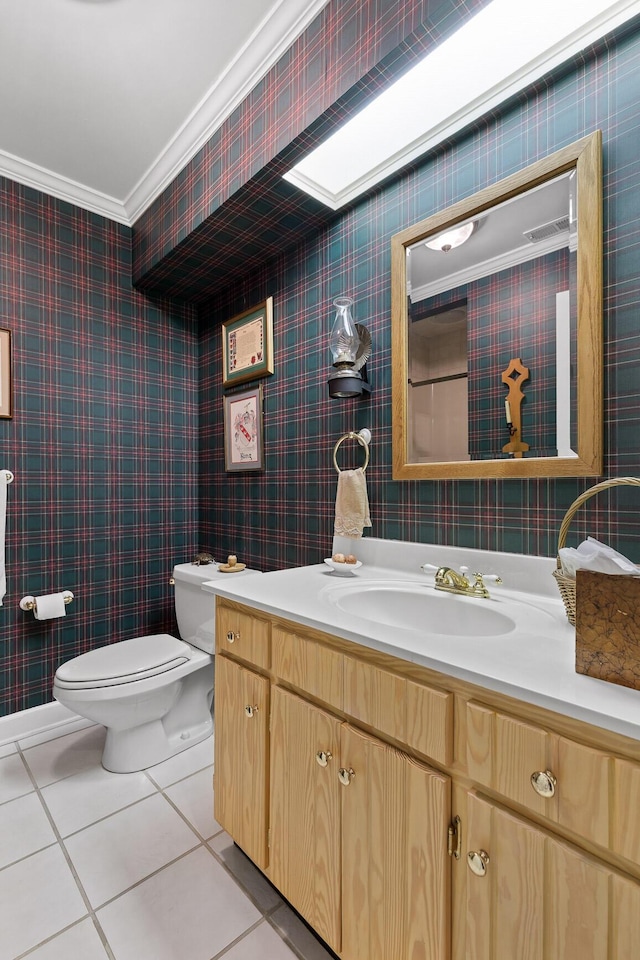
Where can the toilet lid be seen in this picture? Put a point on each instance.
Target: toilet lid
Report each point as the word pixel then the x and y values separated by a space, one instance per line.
pixel 125 661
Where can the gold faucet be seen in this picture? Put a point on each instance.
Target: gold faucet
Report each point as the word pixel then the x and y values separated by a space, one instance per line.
pixel 453 582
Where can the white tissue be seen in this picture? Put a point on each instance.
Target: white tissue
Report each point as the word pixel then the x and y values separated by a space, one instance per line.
pixel 593 555
pixel 50 606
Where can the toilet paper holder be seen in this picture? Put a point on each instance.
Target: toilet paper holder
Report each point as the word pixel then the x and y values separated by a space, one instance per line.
pixel 29 603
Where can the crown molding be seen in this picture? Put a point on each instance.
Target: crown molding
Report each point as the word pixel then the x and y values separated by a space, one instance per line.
pixel 262 50
pixel 32 175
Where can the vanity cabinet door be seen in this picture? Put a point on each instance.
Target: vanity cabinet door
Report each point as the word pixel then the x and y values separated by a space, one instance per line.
pixel 304 842
pixel 532 896
pixel 395 866
pixel 241 723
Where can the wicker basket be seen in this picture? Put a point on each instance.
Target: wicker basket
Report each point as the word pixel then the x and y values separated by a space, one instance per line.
pixel 567 585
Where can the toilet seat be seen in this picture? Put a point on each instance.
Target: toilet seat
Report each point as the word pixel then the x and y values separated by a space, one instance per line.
pixel 123 662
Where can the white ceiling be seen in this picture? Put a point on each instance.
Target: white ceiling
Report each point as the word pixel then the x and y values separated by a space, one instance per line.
pixel 104 101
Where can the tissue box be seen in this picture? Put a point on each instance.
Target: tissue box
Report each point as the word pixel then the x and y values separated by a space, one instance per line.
pixel 608 627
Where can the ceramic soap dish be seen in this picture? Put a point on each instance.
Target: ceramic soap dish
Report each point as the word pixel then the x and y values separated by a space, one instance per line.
pixel 343 569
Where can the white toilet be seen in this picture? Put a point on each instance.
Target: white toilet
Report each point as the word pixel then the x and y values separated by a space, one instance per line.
pixel 154 694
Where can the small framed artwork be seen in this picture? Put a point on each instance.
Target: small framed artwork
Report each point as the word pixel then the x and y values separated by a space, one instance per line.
pixel 243 434
pixel 6 387
pixel 247 345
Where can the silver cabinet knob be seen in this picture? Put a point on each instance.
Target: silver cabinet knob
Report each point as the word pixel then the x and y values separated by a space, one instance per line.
pixel 544 783
pixel 477 861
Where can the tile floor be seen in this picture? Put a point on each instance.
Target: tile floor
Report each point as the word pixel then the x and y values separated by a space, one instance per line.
pixel 96 865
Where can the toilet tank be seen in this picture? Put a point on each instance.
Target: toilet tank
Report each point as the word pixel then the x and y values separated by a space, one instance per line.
pixel 195 609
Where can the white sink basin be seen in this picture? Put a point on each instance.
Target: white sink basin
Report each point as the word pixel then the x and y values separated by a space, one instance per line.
pixel 417 607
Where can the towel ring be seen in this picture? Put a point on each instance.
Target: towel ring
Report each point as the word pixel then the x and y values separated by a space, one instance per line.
pixel 352 436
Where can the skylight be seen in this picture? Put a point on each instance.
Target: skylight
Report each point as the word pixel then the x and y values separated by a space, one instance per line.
pixel 503 48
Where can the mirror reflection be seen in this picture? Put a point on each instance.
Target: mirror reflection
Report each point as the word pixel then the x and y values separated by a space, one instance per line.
pixel 498 287
pixel 489 310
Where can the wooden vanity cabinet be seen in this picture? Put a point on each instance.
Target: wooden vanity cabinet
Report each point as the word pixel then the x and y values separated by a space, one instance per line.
pixel 358 836
pixel 532 896
pixel 395 867
pixel 304 822
pixel 241 743
pixel 372 764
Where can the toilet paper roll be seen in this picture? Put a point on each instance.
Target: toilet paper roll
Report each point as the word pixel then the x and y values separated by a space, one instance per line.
pixel 50 606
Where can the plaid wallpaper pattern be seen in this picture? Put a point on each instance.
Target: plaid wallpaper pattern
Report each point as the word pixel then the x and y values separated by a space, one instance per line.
pixel 350 51
pixel 106 425
pixel 285 515
pixel 103 440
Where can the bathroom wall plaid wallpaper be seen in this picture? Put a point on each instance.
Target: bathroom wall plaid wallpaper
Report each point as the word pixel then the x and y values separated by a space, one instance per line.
pixel 104 436
pixel 102 442
pixel 285 516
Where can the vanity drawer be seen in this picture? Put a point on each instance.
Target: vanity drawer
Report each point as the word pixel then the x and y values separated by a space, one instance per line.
pixel 376 697
pixel 417 715
pixel 429 728
pixel 242 635
pixel 551 775
pixel 308 665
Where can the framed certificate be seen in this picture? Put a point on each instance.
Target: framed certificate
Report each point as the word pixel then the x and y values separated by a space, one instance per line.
pixel 243 433
pixel 247 345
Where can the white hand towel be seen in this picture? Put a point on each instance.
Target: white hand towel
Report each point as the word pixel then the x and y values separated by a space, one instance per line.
pixel 352 504
pixel 3 523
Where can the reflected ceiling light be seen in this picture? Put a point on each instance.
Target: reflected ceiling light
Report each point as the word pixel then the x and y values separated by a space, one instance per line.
pixel 506 46
pixel 450 239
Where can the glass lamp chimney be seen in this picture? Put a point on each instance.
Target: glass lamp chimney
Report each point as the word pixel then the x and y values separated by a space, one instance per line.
pixel 344 340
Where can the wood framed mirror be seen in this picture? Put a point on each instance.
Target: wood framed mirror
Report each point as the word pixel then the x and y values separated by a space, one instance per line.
pixel 499 298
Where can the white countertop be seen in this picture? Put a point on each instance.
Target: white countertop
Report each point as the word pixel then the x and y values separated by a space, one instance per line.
pixel 535 662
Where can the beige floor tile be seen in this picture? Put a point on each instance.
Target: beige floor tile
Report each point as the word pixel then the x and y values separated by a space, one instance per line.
pixel 38 897
pixel 264 895
pixel 189 911
pixel 14 779
pixel 112 855
pixel 66 755
pixel 24 828
pixel 263 943
pixel 80 800
pixel 183 764
pixel 78 943
pixel 194 798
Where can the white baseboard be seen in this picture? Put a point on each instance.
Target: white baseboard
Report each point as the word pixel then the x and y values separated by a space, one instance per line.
pixel 27 723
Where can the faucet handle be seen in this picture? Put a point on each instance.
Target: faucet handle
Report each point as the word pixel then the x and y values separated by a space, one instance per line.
pixel 428 566
pixel 489 576
pixel 479 587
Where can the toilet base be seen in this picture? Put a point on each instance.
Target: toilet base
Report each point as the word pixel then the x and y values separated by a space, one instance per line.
pixel 127 751
pixel 151 719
